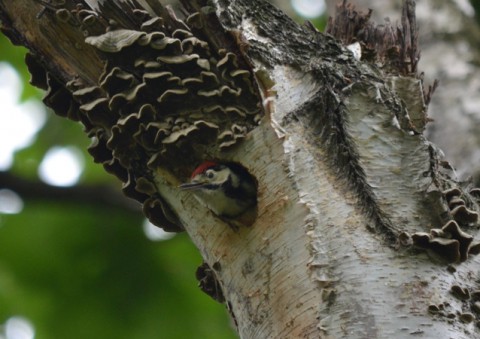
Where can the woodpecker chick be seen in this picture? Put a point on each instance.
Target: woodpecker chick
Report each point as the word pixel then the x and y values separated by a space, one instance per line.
pixel 227 189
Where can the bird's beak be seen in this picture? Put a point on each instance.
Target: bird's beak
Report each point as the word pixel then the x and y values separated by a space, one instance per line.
pixel 194 185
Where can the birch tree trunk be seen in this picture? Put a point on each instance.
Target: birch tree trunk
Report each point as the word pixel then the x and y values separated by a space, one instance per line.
pixel 449 39
pixel 360 233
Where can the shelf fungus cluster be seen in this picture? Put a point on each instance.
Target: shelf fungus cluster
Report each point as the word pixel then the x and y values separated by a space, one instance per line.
pixel 168 97
pixel 453 242
pixel 466 309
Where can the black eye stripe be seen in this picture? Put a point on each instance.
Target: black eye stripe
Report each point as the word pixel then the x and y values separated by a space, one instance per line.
pixel 211 187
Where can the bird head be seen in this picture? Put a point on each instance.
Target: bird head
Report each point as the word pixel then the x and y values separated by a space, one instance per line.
pixel 209 175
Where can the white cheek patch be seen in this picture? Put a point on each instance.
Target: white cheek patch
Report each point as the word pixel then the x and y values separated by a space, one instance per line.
pixel 221 177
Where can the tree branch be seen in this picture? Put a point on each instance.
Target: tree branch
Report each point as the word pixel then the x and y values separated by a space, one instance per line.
pixel 97 195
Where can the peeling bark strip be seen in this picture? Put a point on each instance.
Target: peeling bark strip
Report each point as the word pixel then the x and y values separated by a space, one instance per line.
pixel 325 119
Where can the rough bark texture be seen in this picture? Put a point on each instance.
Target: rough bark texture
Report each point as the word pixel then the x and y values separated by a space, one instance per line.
pixel 449 36
pixel 347 182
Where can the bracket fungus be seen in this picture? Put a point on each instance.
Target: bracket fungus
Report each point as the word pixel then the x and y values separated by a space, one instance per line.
pixel 449 242
pixel 208 282
pixel 168 93
pixel 461 206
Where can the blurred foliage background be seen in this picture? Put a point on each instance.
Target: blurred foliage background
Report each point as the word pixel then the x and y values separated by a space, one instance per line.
pixel 76 261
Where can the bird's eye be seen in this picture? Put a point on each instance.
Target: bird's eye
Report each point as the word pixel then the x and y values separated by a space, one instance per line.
pixel 210 174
